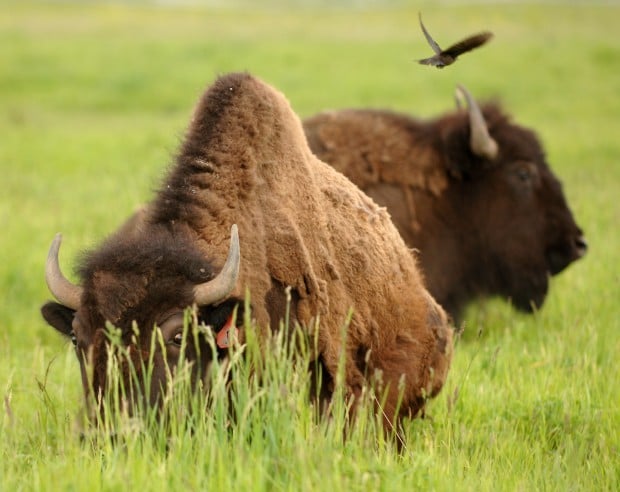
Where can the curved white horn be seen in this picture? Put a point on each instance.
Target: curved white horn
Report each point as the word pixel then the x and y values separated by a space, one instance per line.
pixel 480 141
pixel 217 289
pixel 67 293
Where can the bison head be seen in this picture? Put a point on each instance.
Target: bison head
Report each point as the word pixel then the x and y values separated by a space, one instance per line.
pixel 142 285
pixel 512 206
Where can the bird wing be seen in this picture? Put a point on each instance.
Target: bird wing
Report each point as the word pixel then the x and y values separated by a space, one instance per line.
pixel 428 37
pixel 468 44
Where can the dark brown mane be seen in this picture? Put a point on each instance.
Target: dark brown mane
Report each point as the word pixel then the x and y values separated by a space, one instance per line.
pixel 236 121
pixel 515 142
pixel 212 108
pixel 168 253
pixel 155 270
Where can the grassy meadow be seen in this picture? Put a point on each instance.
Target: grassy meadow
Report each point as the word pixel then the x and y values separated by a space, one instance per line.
pixel 94 99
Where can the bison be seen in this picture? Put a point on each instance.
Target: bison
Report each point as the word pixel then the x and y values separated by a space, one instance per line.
pixel 297 227
pixel 470 190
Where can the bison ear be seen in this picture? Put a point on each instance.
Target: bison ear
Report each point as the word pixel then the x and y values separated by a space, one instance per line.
pixel 59 317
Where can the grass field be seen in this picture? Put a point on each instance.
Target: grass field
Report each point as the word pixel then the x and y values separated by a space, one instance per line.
pixel 93 102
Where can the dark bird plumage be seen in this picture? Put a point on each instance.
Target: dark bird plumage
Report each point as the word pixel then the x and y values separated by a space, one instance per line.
pixel 443 58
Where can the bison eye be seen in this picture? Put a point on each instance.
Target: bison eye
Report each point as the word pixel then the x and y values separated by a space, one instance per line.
pixel 178 339
pixel 73 339
pixel 524 174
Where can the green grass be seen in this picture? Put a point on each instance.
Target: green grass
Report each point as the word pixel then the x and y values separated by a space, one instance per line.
pixel 94 100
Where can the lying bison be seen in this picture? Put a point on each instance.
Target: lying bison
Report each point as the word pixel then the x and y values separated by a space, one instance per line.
pixel 245 167
pixel 472 192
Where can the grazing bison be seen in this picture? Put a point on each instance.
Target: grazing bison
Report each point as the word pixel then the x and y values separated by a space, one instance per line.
pixel 470 190
pixel 295 222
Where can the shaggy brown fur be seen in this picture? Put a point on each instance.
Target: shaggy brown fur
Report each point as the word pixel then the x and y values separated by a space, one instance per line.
pixel 245 161
pixel 483 228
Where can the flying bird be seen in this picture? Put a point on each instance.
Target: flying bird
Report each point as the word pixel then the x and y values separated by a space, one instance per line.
pixel 443 58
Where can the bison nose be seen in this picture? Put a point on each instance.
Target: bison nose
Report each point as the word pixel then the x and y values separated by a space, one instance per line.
pixel 581 246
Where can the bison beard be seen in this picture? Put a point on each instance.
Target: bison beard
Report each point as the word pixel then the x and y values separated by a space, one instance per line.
pixel 245 161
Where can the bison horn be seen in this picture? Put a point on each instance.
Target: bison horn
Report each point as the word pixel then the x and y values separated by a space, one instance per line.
pixel 67 293
pixel 481 143
pixel 217 289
